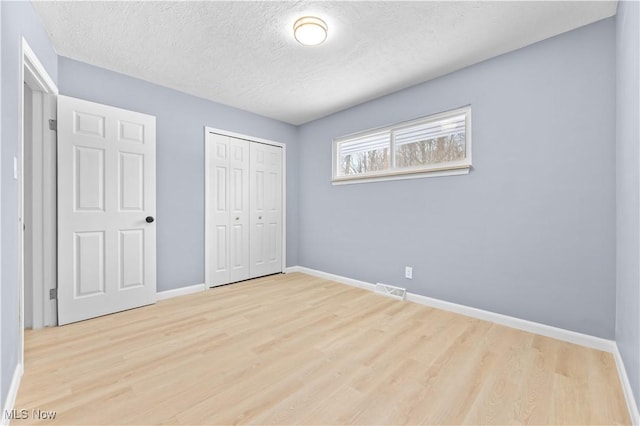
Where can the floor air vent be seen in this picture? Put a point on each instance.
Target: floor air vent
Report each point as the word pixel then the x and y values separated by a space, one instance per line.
pixel 391 291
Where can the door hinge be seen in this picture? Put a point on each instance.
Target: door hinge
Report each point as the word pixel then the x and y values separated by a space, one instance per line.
pixel 53 125
pixel 53 294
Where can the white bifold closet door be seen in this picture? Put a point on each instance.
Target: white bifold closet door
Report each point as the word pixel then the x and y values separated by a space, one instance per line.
pixel 244 209
pixel 228 209
pixel 266 209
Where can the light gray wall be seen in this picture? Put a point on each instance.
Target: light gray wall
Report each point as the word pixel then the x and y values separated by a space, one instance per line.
pixel 180 160
pixel 628 189
pixel 530 232
pixel 18 20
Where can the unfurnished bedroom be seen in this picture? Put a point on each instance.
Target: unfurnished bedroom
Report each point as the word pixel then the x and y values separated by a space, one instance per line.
pixel 320 212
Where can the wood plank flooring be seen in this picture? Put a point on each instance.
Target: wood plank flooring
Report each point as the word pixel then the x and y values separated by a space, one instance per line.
pixel 295 349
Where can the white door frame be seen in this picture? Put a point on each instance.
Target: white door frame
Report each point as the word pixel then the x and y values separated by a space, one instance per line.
pixel 33 73
pixel 207 249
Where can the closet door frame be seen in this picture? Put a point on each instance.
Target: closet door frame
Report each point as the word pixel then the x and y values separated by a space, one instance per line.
pixel 207 202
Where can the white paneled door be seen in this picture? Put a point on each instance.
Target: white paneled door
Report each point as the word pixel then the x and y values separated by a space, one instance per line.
pixel 243 209
pixel 106 210
pixel 266 209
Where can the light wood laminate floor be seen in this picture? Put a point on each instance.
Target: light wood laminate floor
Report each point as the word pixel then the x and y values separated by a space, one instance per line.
pixel 297 349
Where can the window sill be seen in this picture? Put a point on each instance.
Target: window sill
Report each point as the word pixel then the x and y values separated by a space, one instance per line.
pixel 463 170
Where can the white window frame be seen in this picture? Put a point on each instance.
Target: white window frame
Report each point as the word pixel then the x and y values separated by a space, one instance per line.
pixel 441 169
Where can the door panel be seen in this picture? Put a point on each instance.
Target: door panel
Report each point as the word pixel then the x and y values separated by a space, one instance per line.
pixel 131 251
pixel 131 182
pixel 130 132
pixel 88 263
pixel 217 259
pixel 266 209
pixel 272 245
pixel 88 179
pixel 239 192
pixel 227 210
pixel 86 124
pixel 106 189
pixel 221 248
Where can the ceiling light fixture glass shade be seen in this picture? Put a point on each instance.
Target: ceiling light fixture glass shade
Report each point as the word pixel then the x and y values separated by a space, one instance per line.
pixel 310 31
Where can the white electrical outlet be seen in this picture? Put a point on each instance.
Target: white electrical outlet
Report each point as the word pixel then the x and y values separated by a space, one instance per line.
pixel 408 272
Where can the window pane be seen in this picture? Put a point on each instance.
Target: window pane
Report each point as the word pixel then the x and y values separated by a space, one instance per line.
pixel 442 141
pixel 436 145
pixel 364 154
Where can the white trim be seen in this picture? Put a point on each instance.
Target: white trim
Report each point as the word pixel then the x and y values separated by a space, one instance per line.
pixel 10 402
pixel 634 415
pixel 517 323
pixel 35 229
pixel 31 61
pixel 182 291
pixel 207 208
pixel 242 136
pixel 396 176
pixel 332 277
pixel 50 211
pixel 249 138
pixel 284 206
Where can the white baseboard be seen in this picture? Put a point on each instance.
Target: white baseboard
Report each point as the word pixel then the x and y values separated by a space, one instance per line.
pixel 626 387
pixel 9 403
pixel 332 277
pixel 520 324
pixel 168 294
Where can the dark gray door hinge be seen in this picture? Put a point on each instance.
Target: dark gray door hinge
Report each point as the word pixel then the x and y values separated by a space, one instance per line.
pixel 53 294
pixel 53 125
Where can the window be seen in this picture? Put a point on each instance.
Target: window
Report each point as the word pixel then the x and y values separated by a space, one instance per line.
pixel 430 146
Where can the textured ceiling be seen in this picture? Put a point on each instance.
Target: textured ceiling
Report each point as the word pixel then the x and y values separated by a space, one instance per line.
pixel 243 54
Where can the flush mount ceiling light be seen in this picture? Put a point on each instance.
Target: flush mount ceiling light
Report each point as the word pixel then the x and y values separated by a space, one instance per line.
pixel 310 31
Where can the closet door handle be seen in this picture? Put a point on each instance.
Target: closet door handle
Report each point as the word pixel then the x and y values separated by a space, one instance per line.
pixel 237 218
pixel 259 217
pixel 149 219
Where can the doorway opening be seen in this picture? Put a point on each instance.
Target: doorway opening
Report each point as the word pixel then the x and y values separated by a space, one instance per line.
pixel 37 192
